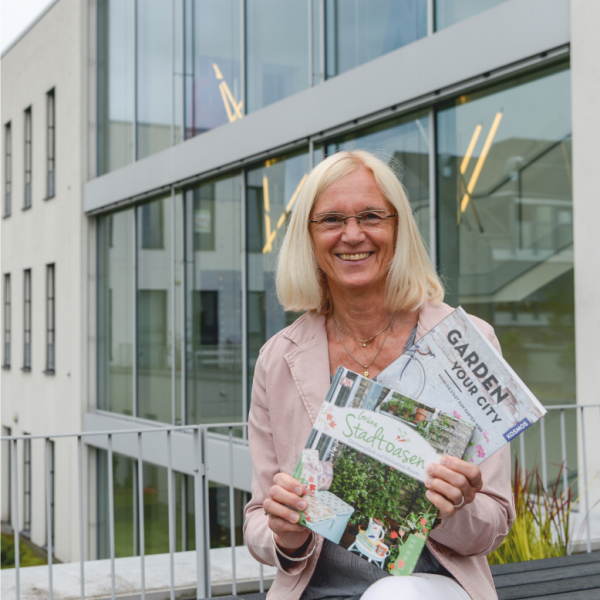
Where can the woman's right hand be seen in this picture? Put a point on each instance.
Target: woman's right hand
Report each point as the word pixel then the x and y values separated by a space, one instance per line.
pixel 285 498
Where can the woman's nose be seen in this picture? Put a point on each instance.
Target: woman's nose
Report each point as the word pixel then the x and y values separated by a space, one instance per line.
pixel 353 231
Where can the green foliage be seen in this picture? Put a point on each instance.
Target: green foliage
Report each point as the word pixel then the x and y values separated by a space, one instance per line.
pixel 541 527
pixel 26 555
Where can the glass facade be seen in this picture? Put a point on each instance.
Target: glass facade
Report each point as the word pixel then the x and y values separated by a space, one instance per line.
pixel 116 310
pixel 404 144
pixel 449 12
pixel 168 71
pixel 271 190
pixel 506 224
pixel 362 30
pixel 277 50
pixel 213 301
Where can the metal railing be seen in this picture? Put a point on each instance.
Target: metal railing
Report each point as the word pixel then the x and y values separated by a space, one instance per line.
pixel 201 520
pixel 579 411
pixel 201 481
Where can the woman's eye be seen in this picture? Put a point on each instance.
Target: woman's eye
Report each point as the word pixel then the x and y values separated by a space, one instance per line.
pixel 331 219
pixel 371 217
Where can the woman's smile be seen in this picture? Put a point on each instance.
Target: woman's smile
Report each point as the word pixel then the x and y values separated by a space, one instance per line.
pixel 355 256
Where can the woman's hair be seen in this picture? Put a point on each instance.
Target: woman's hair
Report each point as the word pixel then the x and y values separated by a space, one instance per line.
pixel 302 286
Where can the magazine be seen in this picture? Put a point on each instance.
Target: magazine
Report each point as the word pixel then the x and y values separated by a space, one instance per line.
pixel 365 465
pixel 455 368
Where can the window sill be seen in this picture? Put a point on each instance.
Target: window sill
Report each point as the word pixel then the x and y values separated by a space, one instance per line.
pixel 49 197
pixel 6 367
pixel 26 208
pixel 26 369
pixel 49 372
pixel 5 216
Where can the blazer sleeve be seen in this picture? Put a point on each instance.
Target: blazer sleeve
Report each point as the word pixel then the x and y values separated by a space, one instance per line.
pixel 480 527
pixel 264 458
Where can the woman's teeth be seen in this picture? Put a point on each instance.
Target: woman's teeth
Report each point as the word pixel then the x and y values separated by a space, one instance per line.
pixel 354 256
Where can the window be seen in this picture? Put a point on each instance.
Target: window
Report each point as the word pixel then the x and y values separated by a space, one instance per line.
pixel 449 12
pixel 152 216
pixel 50 321
pixel 51 484
pixel 51 141
pixel 7 169
pixel 27 320
pixel 7 319
pixel 28 158
pixel 26 485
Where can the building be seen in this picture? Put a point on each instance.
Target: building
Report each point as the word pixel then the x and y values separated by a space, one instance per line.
pixel 179 134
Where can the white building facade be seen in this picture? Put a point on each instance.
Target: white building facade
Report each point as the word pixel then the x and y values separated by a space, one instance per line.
pixel 184 131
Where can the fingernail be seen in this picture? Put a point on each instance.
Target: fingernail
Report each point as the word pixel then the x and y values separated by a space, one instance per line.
pixel 294 517
pixel 298 490
pixel 428 494
pixel 302 505
pixel 428 481
pixel 445 461
pixel 430 469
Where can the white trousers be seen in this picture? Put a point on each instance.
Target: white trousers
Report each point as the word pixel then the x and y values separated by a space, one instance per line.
pixel 419 586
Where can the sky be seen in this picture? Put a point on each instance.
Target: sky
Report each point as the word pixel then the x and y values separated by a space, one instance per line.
pixel 16 16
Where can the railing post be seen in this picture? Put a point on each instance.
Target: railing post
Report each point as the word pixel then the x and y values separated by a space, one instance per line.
pixel 523 463
pixel 202 576
pixel 142 537
pixel 232 516
pixel 585 483
pixel 563 443
pixel 16 522
pixel 49 523
pixel 80 494
pixel 171 514
pixel 111 518
pixel 544 458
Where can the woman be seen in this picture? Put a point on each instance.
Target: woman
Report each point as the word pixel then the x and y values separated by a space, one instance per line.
pixel 354 260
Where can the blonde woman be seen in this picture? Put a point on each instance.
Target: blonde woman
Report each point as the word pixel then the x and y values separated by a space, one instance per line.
pixel 353 260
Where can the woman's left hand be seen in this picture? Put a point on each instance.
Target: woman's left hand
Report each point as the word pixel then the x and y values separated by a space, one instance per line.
pixel 451 481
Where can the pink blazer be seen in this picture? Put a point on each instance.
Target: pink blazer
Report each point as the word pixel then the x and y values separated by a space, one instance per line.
pixel 290 383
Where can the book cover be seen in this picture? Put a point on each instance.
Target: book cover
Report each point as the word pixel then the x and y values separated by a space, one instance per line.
pixel 455 368
pixel 364 464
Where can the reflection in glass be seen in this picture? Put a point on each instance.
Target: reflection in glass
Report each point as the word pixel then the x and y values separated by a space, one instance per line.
pixel 404 144
pixel 213 226
pixel 506 233
pixel 115 84
pixel 362 30
pixel 154 76
pixel 448 12
pixel 271 192
pixel 212 64
pixel 154 310
pixel 115 311
pixel 277 50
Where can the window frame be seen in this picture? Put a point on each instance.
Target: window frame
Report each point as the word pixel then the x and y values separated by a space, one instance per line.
pixel 50 319
pixel 6 335
pixel 8 169
pixel 28 158
pixel 27 320
pixel 27 480
pixel 50 144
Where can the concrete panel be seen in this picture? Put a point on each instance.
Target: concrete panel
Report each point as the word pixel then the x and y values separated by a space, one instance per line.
pixel 510 32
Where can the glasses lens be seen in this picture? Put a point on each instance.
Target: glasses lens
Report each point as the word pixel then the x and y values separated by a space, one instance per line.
pixel 371 219
pixel 331 221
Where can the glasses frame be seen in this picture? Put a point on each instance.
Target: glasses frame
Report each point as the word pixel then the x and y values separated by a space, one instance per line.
pixel 361 215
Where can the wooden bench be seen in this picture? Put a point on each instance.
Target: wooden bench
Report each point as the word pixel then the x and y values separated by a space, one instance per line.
pixel 575 577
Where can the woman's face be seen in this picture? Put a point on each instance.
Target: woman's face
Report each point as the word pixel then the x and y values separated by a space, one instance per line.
pixel 353 258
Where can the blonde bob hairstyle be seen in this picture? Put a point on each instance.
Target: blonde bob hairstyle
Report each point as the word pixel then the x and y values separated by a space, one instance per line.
pixel 300 283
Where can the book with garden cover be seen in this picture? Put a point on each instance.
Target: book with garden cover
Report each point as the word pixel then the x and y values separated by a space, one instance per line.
pixel 453 394
pixel 364 465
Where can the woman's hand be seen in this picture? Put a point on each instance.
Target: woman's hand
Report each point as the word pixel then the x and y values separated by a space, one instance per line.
pixel 451 481
pixel 284 499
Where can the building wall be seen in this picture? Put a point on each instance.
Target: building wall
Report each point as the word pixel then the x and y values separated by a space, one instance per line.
pixel 50 55
pixel 585 88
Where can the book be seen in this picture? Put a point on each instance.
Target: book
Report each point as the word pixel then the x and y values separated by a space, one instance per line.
pixel 455 368
pixel 364 464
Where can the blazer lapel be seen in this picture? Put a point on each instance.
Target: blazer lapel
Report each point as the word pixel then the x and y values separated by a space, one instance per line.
pixel 309 365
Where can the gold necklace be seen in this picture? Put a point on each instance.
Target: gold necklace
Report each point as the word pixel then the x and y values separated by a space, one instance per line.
pixel 365 367
pixel 363 342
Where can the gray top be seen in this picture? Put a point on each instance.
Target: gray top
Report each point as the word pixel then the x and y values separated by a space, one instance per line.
pixel 342 575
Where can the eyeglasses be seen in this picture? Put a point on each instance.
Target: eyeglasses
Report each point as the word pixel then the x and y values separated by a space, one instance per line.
pixel 369 220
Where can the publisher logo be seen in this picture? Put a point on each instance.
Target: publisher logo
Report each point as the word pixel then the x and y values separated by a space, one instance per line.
pixel 347 382
pixel 517 429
